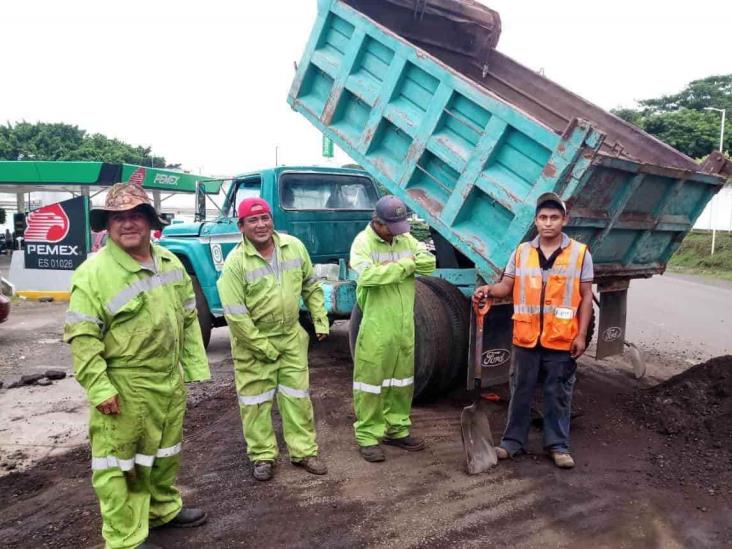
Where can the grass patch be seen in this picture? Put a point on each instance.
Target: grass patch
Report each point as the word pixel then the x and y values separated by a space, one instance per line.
pixel 693 256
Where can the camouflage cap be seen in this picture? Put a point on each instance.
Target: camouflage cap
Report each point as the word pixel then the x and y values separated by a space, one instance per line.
pixel 122 197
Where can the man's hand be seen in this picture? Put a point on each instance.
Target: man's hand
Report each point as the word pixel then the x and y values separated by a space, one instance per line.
pixel 109 406
pixel 321 337
pixel 578 347
pixel 481 294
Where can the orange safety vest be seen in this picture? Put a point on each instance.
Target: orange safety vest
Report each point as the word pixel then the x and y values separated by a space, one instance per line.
pixel 555 324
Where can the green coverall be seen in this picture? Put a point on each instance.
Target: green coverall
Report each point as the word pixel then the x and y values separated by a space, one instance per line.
pixel 135 334
pixel 268 344
pixel 383 376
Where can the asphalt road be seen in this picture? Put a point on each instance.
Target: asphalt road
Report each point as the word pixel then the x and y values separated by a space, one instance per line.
pixel 682 315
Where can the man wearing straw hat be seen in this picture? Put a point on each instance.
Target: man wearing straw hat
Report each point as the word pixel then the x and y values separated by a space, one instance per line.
pixel 135 341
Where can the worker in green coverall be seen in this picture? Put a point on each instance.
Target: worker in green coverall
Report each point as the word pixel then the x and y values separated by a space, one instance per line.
pixel 386 258
pixel 135 340
pixel 263 279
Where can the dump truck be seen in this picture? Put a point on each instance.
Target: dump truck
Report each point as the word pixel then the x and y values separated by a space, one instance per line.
pixel 324 207
pixel 468 138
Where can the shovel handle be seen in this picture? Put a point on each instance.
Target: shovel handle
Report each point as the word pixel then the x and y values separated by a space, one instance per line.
pixel 480 309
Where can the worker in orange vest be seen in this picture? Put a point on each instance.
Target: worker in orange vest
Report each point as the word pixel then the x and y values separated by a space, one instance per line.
pixel 551 281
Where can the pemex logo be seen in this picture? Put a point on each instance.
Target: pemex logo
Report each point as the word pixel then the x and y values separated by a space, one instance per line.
pixel 47 224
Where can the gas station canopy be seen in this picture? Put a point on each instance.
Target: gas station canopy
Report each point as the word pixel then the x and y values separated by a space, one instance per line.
pixel 35 176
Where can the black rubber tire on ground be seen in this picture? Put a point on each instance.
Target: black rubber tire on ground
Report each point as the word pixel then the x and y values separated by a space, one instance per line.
pixel 205 319
pixel 431 348
pixel 457 307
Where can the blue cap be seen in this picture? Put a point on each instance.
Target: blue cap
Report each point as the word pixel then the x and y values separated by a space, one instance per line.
pixel 393 212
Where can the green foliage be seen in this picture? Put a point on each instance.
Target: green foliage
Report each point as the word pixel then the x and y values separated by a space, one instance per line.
pixel 419 229
pixel 680 119
pixel 45 141
pixel 3 216
pixel 694 255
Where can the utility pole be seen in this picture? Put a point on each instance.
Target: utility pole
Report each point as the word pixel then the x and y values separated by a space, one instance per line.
pixel 721 149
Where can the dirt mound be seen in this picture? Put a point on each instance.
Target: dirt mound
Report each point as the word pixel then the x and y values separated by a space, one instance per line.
pixel 697 401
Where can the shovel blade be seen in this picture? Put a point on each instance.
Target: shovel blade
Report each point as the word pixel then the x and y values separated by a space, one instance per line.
pixel 480 455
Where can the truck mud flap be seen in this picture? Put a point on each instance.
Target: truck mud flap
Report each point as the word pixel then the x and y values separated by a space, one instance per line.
pixel 611 332
pixel 497 347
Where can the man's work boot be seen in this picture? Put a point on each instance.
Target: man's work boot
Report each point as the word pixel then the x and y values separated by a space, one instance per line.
pixel 148 545
pixel 562 460
pixel 187 517
pixel 311 464
pixel 372 453
pixel 409 443
pixel 263 470
pixel 502 453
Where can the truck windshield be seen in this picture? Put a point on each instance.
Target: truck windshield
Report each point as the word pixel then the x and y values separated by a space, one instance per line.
pixel 246 189
pixel 320 191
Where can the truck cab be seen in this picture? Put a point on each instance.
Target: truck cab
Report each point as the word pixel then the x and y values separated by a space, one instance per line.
pixel 322 206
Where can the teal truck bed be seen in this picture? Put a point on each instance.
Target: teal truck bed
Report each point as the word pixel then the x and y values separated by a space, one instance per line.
pixel 416 93
pixel 470 151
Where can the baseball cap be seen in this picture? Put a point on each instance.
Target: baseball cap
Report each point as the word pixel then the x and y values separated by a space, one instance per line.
pixel 393 212
pixel 553 198
pixel 120 198
pixel 253 206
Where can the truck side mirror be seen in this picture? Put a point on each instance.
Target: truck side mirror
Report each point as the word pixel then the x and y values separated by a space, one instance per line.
pixel 200 214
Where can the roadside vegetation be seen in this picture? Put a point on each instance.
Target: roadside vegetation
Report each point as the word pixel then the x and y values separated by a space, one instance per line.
pixel 694 257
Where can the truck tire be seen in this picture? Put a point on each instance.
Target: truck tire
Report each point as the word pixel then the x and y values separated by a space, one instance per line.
pixel 431 346
pixel 205 320
pixel 457 307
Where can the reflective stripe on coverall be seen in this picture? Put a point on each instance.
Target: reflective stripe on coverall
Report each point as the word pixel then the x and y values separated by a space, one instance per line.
pixel 383 375
pixel 131 331
pixel 268 344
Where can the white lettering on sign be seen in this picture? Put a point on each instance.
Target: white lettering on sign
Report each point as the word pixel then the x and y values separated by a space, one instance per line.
pixel 165 179
pixel 563 313
pixel 52 249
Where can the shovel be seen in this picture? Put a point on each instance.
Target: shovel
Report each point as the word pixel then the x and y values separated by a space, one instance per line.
pixel 474 426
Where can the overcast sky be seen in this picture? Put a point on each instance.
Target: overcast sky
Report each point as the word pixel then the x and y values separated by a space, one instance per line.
pixel 205 83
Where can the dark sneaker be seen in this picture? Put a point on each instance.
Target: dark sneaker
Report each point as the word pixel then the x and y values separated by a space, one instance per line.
pixel 372 453
pixel 409 443
pixel 311 464
pixel 187 517
pixel 148 545
pixel 263 470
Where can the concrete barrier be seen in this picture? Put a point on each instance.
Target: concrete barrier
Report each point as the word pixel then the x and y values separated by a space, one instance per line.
pixel 39 283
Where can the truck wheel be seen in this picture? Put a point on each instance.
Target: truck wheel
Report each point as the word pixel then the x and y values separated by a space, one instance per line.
pixel 457 307
pixel 431 336
pixel 205 320
pixel 432 333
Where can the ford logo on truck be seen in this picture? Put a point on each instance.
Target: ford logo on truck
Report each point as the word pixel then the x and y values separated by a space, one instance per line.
pixel 495 357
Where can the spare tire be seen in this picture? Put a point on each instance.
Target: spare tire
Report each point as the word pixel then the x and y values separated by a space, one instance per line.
pixel 432 341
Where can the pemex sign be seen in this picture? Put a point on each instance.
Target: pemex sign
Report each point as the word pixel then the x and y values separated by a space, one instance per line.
pixel 57 235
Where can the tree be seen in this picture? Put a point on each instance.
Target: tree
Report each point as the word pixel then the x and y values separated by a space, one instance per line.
pixel 681 120
pixel 58 141
pixel 3 216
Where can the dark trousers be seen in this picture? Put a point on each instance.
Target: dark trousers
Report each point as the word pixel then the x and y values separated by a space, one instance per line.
pixel 555 370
